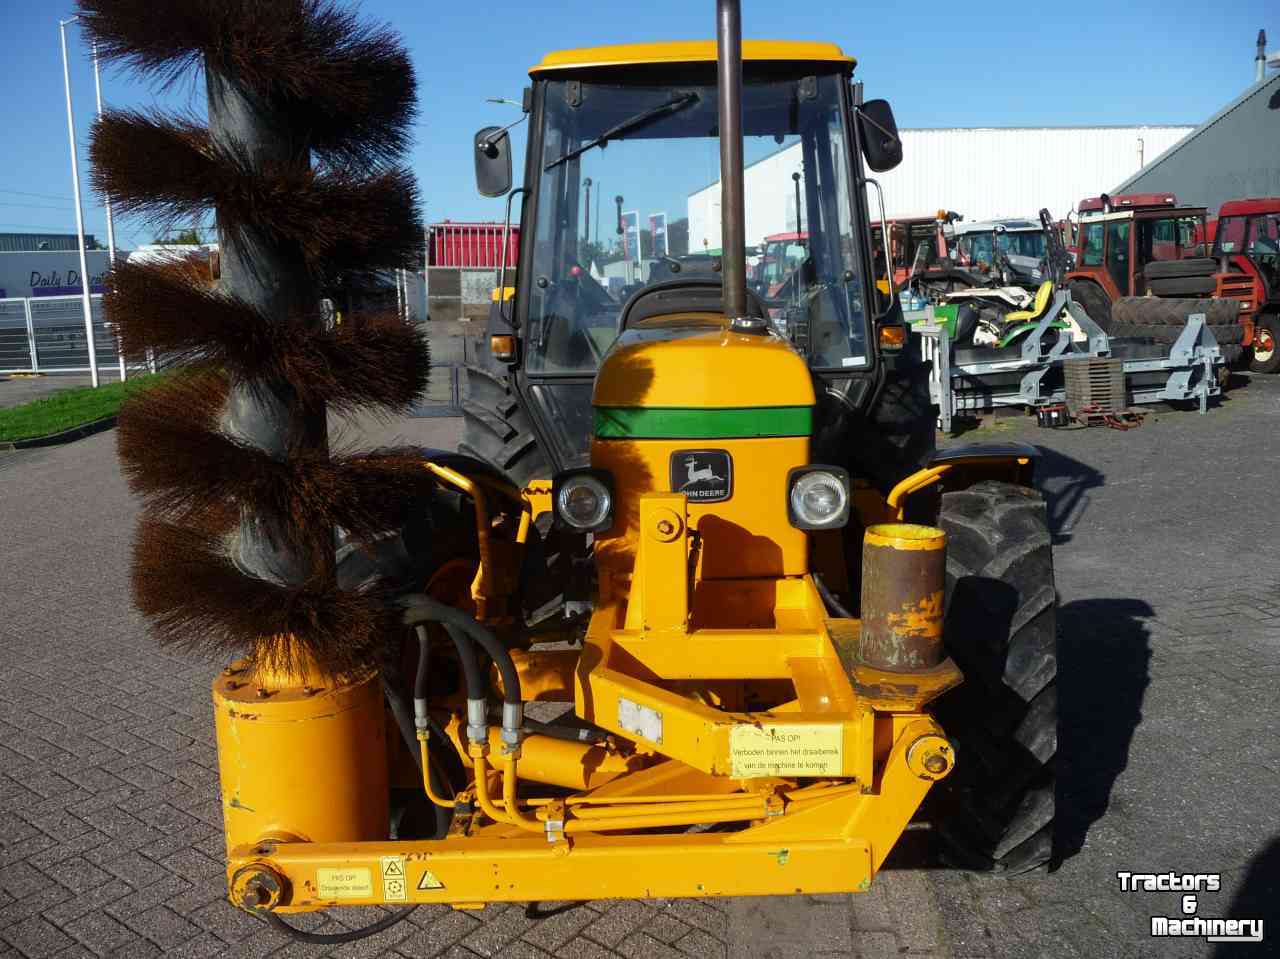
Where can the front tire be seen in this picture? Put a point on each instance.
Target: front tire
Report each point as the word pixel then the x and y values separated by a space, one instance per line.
pixel 996 811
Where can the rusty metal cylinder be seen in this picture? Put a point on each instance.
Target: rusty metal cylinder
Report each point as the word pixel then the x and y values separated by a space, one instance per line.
pixel 903 582
pixel 301 758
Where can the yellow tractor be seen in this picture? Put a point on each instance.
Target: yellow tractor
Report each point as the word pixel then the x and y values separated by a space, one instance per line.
pixel 697 610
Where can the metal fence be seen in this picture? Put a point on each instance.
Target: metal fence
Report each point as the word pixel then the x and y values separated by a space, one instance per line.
pixel 447 384
pixel 46 334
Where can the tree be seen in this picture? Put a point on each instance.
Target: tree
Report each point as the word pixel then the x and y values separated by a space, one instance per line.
pixel 188 237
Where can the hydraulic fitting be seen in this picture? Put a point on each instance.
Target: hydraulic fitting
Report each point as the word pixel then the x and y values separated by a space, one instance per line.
pixel 512 727
pixel 478 721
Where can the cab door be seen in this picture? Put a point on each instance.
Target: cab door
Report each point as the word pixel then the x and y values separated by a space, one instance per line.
pixel 1120 254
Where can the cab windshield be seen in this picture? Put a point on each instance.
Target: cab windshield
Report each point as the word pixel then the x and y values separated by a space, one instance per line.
pixel 643 207
pixel 1026 243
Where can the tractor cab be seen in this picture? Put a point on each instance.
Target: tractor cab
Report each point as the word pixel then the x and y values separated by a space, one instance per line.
pixel 914 244
pixel 781 256
pixel 1121 237
pixel 640 123
pixel 1015 247
pixel 1247 241
pixel 1246 248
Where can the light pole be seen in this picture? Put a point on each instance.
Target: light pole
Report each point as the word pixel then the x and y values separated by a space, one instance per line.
pixel 111 226
pixel 75 182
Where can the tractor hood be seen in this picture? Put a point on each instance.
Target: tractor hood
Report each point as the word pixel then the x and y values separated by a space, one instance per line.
pixel 694 361
pixel 684 404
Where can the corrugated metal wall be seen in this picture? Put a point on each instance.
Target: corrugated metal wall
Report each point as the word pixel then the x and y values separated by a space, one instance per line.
pixel 989 173
pixel 982 173
pixel 1235 154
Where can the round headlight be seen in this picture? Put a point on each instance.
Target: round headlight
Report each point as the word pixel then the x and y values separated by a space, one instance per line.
pixel 584 502
pixel 818 498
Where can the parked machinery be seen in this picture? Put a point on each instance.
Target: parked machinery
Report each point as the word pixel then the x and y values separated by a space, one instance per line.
pixel 765 607
pixel 1246 251
pixel 1143 268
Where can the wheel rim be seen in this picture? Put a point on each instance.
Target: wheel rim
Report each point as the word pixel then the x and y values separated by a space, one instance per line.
pixel 1264 345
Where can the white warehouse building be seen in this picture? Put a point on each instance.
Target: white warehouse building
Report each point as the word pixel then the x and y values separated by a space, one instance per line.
pixel 983 173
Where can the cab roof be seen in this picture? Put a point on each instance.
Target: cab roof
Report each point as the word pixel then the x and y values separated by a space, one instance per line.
pixel 1250 206
pixel 690 51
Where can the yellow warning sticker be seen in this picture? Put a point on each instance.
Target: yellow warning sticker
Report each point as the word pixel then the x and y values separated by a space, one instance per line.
pixel 394 887
pixel 429 881
pixel 348 883
pixel 794 749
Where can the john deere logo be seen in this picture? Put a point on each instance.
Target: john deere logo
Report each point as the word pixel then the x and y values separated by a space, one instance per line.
pixel 705 476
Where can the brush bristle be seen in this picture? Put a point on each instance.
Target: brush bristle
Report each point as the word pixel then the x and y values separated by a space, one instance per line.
pixel 369 360
pixel 167 170
pixel 349 88
pixel 196 599
pixel 176 457
pixel 320 87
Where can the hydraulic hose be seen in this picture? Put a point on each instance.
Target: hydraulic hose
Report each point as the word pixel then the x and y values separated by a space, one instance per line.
pixel 338 938
pixel 573 734
pixel 829 598
pixel 423 719
pixel 420 607
pixel 399 708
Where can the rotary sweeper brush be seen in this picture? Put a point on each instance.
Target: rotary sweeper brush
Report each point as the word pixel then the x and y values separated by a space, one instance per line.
pixel 696 610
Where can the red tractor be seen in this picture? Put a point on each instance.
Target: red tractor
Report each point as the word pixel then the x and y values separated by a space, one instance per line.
pixel 1138 253
pixel 1246 249
pixel 911 236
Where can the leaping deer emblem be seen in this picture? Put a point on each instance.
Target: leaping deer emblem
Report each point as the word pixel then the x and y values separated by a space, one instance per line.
pixel 697 475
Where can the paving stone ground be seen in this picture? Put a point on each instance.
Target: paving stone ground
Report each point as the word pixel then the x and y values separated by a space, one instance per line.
pixel 1168 557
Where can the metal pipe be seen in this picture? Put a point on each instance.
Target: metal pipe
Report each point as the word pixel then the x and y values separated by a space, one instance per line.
pixel 733 229
pixel 106 200
pixel 75 183
pixel 502 259
pixel 795 178
pixel 884 235
pixel 1260 61
pixel 666 820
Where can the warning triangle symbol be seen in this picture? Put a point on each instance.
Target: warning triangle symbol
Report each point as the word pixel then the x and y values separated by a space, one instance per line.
pixel 429 881
pixel 392 867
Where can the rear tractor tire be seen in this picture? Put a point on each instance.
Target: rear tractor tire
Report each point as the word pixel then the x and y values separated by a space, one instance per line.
pixel 996 811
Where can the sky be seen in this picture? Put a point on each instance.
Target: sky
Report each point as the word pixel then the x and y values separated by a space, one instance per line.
pixel 1001 63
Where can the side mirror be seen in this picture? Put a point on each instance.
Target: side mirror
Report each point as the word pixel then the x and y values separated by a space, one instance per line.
pixel 881 144
pixel 493 162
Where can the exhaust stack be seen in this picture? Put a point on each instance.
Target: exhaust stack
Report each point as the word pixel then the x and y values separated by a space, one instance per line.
pixel 733 230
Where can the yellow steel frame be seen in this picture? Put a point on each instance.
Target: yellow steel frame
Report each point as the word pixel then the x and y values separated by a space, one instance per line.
pixel 821 784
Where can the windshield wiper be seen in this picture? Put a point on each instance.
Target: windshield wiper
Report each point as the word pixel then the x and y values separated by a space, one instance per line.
pixel 626 126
